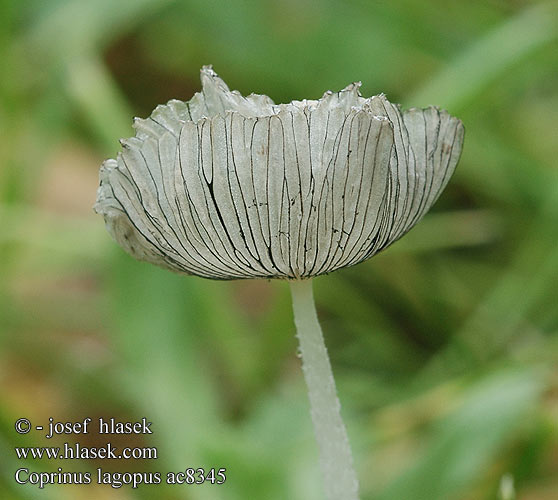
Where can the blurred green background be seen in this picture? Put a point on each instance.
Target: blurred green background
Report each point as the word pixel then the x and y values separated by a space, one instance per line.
pixel 444 347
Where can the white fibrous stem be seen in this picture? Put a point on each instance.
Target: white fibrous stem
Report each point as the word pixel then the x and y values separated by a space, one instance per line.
pixel 340 481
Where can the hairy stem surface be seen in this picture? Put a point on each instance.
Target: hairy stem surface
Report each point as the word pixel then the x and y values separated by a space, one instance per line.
pixel 340 481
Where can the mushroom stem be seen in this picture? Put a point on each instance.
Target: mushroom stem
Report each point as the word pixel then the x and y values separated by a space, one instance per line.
pixel 340 481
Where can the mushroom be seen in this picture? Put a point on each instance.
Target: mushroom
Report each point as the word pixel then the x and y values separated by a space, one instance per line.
pixel 231 187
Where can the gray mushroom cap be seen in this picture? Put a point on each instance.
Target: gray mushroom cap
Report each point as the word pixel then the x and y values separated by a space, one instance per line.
pixel 229 187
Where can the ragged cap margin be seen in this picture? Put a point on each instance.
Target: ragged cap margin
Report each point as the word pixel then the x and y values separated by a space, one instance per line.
pixel 228 187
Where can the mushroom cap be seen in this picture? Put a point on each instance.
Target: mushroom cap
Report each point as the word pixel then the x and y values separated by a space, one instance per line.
pixel 229 187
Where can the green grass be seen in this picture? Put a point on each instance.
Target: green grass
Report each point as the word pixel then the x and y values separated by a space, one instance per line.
pixel 445 347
